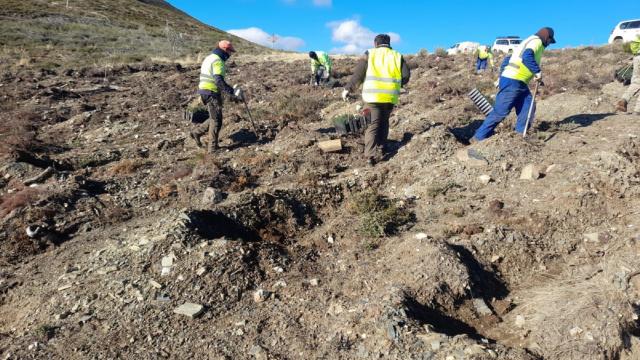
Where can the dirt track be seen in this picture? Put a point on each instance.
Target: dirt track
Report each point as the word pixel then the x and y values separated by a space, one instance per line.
pixel 512 269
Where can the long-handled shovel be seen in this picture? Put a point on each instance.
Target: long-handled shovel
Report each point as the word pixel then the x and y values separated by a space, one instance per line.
pixel 246 106
pixel 533 104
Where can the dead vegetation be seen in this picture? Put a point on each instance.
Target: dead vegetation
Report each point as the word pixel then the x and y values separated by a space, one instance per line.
pixel 17 132
pixel 413 258
pixel 126 167
pixel 18 200
pixel 115 32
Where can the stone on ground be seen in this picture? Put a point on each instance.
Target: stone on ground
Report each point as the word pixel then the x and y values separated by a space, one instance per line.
pixel 189 309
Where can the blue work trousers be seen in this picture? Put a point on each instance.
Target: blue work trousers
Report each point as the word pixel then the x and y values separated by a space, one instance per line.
pixel 512 94
pixel 481 64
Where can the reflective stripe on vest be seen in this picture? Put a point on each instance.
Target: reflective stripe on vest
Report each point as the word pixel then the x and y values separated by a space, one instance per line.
pixel 516 69
pixel 211 66
pixel 384 76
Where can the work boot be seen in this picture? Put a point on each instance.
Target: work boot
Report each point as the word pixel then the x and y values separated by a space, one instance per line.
pixel 196 137
pixel 621 106
pixel 213 148
pixel 473 141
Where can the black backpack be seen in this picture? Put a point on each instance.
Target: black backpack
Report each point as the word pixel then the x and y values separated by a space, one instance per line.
pixel 196 112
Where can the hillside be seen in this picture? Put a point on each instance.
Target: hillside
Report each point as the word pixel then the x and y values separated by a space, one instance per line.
pixel 103 32
pixel 111 219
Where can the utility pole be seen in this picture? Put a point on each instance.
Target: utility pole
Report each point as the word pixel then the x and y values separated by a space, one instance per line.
pixel 274 39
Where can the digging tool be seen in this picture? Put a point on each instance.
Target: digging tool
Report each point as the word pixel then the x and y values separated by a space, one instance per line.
pixel 533 104
pixel 253 124
pixel 240 94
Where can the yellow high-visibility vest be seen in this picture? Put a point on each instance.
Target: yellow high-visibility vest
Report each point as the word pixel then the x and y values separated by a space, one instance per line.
pixel 211 66
pixel 323 60
pixel 635 46
pixel 384 76
pixel 483 53
pixel 516 69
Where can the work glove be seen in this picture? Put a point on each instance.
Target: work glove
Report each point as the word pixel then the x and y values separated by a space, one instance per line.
pixel 538 77
pixel 237 92
pixel 345 95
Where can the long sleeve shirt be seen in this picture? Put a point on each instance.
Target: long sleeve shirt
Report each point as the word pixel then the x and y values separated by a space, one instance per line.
pixel 529 60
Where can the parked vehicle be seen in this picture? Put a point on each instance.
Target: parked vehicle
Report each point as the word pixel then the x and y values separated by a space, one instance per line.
pixel 465 47
pixel 506 43
pixel 625 31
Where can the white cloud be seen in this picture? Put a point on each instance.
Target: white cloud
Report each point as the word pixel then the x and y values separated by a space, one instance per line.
pixel 261 37
pixel 354 37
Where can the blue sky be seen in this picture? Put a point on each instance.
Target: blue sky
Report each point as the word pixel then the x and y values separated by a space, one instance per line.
pixel 347 26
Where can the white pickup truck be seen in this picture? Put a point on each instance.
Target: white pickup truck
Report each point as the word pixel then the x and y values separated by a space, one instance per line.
pixel 625 31
pixel 505 44
pixel 465 47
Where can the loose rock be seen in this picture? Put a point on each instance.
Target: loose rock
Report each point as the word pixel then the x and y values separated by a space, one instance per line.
pixel 261 295
pixel 212 196
pixel 485 179
pixel 530 172
pixel 471 157
pixel 189 309
pixel 481 307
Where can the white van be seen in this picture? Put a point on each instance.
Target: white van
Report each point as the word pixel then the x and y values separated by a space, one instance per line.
pixel 465 47
pixel 625 31
pixel 506 43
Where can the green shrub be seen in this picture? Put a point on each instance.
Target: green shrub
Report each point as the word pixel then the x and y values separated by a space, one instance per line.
pixel 379 216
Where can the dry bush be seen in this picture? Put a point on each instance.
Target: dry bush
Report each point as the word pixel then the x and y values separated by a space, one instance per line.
pixel 240 183
pixel 298 107
pixel 582 70
pixel 17 200
pixel 125 167
pixel 180 172
pixel 17 131
pixel 587 312
pixel 116 214
pixel 159 192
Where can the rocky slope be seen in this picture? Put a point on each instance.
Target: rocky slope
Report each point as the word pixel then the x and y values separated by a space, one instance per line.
pixel 285 252
pixel 104 33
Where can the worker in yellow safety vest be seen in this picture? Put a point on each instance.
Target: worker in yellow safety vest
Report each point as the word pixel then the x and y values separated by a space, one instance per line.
pixel 383 72
pixel 634 86
pixel 517 71
pixel 212 85
pixel 484 56
pixel 321 67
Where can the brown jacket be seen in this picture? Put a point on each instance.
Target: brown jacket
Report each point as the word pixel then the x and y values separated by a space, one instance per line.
pixel 361 72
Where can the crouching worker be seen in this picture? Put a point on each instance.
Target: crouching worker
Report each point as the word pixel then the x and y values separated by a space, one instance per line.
pixel 484 56
pixel 384 72
pixel 517 71
pixel 210 89
pixel 634 86
pixel 321 67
